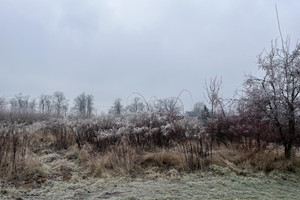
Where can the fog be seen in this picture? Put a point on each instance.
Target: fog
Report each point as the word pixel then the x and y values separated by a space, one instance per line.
pixel 113 48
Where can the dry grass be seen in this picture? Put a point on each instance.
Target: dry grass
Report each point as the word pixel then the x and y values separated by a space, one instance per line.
pixel 249 161
pixel 127 160
pixel 164 158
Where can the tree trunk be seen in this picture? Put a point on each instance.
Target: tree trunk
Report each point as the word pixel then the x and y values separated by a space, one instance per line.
pixel 288 151
pixel 290 138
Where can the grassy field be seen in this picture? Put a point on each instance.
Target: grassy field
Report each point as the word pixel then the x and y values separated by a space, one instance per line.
pixel 217 183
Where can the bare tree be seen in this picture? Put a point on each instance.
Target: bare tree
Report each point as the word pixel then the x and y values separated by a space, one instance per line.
pixel 136 106
pixel 19 103
pixel 45 104
pixel 60 103
pixel 32 106
pixel 83 105
pixel 213 97
pixel 89 105
pixel 276 95
pixel 169 106
pixel 80 104
pixel 215 101
pixel 49 104
pixel 117 108
pixel 42 103
pixel 3 103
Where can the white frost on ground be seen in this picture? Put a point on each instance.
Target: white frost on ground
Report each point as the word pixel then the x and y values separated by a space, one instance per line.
pixel 205 185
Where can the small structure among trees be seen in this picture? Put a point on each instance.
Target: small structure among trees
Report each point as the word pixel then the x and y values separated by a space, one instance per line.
pixel 199 111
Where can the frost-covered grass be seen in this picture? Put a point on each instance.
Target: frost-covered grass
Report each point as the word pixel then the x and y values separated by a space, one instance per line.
pixel 204 185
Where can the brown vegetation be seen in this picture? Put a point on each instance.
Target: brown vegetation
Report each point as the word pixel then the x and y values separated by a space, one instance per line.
pixel 108 146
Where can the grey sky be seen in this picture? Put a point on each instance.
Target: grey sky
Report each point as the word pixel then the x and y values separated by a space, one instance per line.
pixel 111 48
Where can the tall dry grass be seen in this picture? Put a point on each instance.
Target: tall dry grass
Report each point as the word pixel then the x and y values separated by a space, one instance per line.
pixel 255 160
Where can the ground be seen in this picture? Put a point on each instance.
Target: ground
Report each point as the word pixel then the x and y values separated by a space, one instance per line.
pixel 217 183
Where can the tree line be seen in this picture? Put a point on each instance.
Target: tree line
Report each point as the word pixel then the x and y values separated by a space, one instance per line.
pixel 53 105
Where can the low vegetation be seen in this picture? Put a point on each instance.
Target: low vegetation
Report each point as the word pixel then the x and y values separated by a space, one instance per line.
pixel 123 145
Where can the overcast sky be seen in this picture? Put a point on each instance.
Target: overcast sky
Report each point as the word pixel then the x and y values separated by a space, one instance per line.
pixel 111 48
